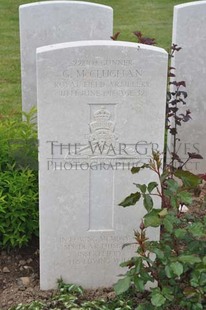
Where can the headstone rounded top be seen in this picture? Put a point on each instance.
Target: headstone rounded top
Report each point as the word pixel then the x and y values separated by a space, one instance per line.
pixel 107 43
pixel 71 3
pixel 53 22
pixel 189 4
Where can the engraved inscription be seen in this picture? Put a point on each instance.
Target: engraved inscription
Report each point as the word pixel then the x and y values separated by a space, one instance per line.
pixel 102 62
pixel 102 73
pixel 85 250
pixel 103 80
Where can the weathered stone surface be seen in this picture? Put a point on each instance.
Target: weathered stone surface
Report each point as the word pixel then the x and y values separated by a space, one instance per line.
pixel 51 22
pixel 101 105
pixel 190 62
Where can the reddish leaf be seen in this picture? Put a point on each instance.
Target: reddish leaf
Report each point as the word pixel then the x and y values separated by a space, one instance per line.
pixel 138 34
pixel 183 93
pixel 144 40
pixel 194 156
pixel 174 109
pixel 173 102
pixel 148 41
pixel 115 36
pixel 176 157
pixel 202 176
pixel 181 83
pixel 173 131
pixel 170 114
pixel 173 83
pixel 175 47
pixel 186 117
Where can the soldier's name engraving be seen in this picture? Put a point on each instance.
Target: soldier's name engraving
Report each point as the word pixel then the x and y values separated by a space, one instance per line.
pixel 104 79
pixel 102 73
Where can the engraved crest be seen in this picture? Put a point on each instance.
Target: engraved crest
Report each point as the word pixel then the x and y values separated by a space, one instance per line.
pixel 102 128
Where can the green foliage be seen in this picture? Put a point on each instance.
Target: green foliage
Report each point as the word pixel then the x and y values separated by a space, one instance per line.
pixel 72 297
pixel 18 207
pixel 123 285
pixel 69 288
pixel 177 262
pixel 131 199
pixel 18 142
pixel 35 305
pixel 18 182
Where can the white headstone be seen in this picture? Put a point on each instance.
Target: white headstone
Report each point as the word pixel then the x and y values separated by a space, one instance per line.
pixel 190 62
pixel 101 105
pixel 51 22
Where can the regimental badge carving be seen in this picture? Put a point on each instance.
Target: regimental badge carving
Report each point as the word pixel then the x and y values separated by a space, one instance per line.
pixel 102 128
pixel 102 142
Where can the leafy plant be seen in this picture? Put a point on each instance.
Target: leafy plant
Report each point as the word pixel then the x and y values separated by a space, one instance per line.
pixel 18 181
pixel 179 266
pixel 177 262
pixel 18 142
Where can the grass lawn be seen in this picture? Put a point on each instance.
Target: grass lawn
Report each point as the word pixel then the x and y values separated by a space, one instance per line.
pixel 152 17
